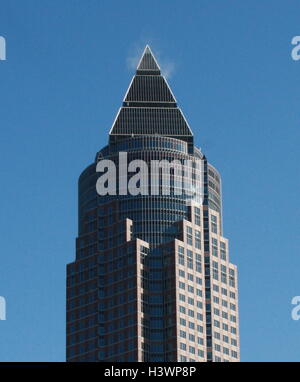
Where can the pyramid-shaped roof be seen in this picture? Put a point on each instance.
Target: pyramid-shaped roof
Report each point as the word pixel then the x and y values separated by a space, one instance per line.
pixel 149 106
pixel 148 61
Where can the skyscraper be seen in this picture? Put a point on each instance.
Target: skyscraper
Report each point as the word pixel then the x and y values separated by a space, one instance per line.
pixel 152 279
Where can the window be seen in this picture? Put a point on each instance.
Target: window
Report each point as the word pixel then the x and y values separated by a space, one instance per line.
pixel 215 251
pixel 182 309
pixel 191 337
pixel 180 259
pixel 191 313
pixel 223 254
pixel 232 318
pixel 215 275
pixel 223 278
pixel 190 301
pixel 190 254
pixel 234 354
pixel 197 215
pixel 189 235
pixel 182 334
pixel 192 350
pixel 225 315
pixel 181 285
pixel 232 295
pixel 182 346
pixel 191 325
pixel 233 342
pixel 198 256
pixel 199 280
pixel 197 239
pixel 214 227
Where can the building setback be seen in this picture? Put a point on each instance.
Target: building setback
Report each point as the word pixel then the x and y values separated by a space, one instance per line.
pixel 152 279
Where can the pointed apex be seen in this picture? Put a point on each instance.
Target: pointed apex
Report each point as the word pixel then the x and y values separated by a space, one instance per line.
pixel 148 63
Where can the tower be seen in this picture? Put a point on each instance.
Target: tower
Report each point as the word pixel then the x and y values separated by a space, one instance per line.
pixel 152 279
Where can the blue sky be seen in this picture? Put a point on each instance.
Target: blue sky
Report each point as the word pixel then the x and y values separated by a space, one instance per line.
pixel 68 66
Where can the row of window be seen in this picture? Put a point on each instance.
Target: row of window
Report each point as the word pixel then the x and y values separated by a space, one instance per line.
pixel 225 338
pixel 191 337
pixel 117 349
pixel 81 313
pixel 225 327
pixel 190 288
pixel 191 313
pixel 224 291
pixel 84 300
pixel 81 325
pixel 81 337
pixel 190 301
pixel 191 349
pixel 191 325
pixel 190 276
pixel 118 337
pixel 224 303
pixel 83 348
pixel 226 351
